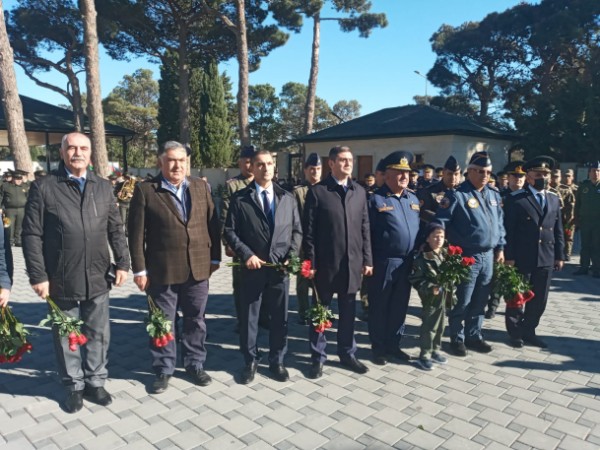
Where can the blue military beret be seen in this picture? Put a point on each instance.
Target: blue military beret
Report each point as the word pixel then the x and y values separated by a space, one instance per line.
pixel 312 160
pixel 481 159
pixel 452 164
pixel 247 151
pixel 399 160
pixel 540 164
pixel 594 165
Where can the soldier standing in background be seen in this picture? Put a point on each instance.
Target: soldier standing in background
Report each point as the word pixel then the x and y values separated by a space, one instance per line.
pixel 14 199
pixel 312 175
pixel 414 179
pixel 380 174
pixel 567 209
pixel 587 219
pixel 124 193
pixel 427 178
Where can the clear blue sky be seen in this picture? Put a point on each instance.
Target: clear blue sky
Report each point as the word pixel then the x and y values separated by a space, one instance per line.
pixel 377 71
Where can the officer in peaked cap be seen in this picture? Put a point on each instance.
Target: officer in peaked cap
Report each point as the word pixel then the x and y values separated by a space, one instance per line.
pixel 587 220
pixel 427 178
pixel 535 246
pixel 472 214
pixel 502 177
pixel 379 172
pixel 414 179
pixel 313 168
pixel 394 220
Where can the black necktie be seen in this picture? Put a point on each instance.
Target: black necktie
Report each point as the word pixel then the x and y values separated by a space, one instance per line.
pixel 267 209
pixel 541 199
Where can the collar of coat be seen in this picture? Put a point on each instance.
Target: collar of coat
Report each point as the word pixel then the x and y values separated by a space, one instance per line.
pixel 332 183
pixel 277 190
pixel 63 176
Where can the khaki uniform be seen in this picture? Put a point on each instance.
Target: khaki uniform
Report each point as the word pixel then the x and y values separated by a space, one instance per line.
pixel 302 284
pixel 14 199
pixel 587 216
pixel 567 210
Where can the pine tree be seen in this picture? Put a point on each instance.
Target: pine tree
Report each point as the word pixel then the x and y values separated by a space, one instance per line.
pixel 215 131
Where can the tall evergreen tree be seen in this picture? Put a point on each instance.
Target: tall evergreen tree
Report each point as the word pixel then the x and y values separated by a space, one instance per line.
pixel 215 130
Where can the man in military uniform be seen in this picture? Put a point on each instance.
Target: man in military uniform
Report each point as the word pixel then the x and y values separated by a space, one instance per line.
pixel 472 214
pixel 38 174
pixel 124 196
pixel 312 175
pixel 439 171
pixel 235 184
pixel 379 174
pixel 14 200
pixel 430 197
pixel 516 181
pixel 587 220
pixel 570 180
pixel 567 209
pixel 427 178
pixel 534 245
pixel 414 180
pixel 502 180
pixel 394 223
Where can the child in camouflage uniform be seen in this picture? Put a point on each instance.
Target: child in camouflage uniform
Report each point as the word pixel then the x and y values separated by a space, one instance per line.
pixel 423 278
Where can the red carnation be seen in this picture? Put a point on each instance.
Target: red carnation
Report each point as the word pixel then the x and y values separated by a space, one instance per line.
pixel 73 347
pixel 306 268
pixel 454 250
pixel 170 336
pixel 528 296
pixel 82 339
pixel 328 324
pixel 468 261
pixel 320 328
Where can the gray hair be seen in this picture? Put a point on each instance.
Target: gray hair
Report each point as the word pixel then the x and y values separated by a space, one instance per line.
pixel 63 141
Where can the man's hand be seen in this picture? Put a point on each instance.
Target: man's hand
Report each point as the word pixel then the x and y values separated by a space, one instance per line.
pixel 254 262
pixel 558 265
pixel 4 297
pixel 214 267
pixel 311 274
pixel 120 277
pixel 436 290
pixel 141 282
pixel 500 256
pixel 42 289
pixel 229 252
pixel 367 271
pixel 510 262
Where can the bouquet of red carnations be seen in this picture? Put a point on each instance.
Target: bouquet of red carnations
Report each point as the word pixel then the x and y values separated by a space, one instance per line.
pixel 319 315
pixel 158 326
pixel 452 271
pixel 511 285
pixel 13 337
pixel 66 325
pixel 291 266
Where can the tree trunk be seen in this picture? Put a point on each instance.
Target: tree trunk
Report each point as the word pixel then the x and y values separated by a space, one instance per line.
pixel 311 93
pixel 242 56
pixel 13 109
pixel 75 100
pixel 94 96
pixel 184 89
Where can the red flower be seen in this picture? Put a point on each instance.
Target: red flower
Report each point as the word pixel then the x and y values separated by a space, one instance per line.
pixel 306 268
pixel 528 296
pixel 170 336
pixel 328 324
pixel 454 250
pixel 568 232
pixel 157 342
pixel 468 261
pixel 320 328
pixel 82 339
pixel 73 347
pixel 518 298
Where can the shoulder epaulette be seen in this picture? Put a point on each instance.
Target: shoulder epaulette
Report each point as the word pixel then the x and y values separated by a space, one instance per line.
pixel 553 193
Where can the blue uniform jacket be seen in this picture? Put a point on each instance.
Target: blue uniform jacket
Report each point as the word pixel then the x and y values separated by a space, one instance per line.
pixel 474 220
pixel 394 223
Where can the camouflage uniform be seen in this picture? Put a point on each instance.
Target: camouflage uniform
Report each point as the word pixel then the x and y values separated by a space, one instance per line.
pixel 14 199
pixel 567 209
pixel 302 283
pixel 587 215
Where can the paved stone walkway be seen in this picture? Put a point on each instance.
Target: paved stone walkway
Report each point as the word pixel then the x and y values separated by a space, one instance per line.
pixel 519 399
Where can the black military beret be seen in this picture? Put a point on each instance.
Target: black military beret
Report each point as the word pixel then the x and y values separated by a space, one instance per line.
pixel 481 159
pixel 540 164
pixel 451 164
pixel 312 160
pixel 399 160
pixel 247 151
pixel 428 168
pixel 515 168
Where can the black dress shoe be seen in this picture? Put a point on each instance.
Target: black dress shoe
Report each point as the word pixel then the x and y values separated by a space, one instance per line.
pixel 399 354
pixel 161 383
pixel 316 370
pixel 354 365
pixel 279 372
pixel 490 314
pixel 73 402
pixel 479 345
pixel 380 360
pixel 535 341
pixel 198 376
pixel 516 343
pixel 458 348
pixel 581 271
pixel 97 395
pixel 249 372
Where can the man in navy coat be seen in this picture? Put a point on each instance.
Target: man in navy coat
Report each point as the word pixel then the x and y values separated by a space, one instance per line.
pixel 534 244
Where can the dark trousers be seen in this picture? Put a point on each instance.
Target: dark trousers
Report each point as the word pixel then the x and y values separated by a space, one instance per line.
pixel 522 322
pixel 87 364
pixel 191 298
pixel 16 216
pixel 237 289
pixel 389 293
pixel 302 287
pixel 346 344
pixel 590 246
pixel 270 286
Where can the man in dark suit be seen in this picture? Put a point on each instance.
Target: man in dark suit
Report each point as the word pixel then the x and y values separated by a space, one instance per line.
pixel 174 243
pixel 534 244
pixel 263 227
pixel 338 243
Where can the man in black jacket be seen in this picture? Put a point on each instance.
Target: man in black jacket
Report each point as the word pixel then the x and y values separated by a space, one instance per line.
pixel 337 241
pixel 263 226
pixel 70 216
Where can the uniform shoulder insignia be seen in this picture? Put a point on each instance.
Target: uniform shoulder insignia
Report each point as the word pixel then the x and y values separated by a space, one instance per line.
pixel 553 193
pixel 494 188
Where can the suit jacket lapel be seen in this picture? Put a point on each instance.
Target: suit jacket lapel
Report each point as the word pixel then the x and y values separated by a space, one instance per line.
pixel 533 201
pixel 165 197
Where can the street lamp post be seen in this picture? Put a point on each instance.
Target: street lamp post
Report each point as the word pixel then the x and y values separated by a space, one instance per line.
pixel 426 82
